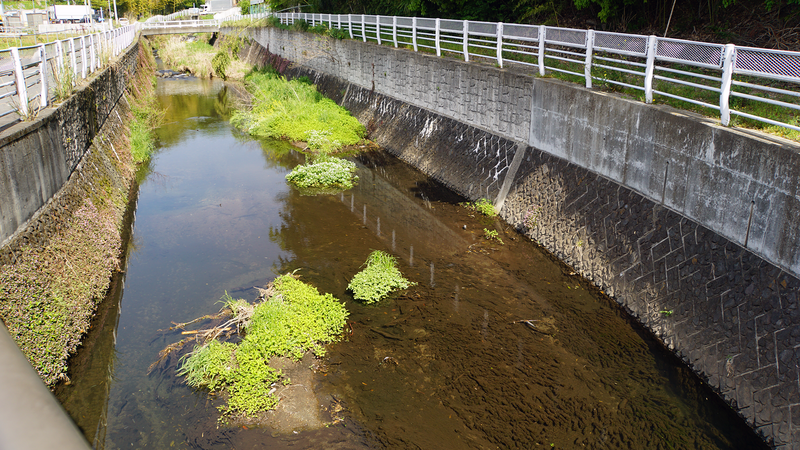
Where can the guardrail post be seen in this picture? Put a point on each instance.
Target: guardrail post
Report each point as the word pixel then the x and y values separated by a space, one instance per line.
pixel 363 29
pixel 728 58
pixel 500 44
pixel 43 76
pixel 339 21
pixel 394 30
pixel 587 68
pixel 414 32
pixel 649 71
pixel 438 33
pixel 22 90
pixel 466 40
pixel 59 56
pixel 92 57
pixel 350 24
pixel 378 28
pixel 542 37
pixel 72 56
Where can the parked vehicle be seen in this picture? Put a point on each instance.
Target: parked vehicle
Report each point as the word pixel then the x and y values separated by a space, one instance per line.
pixel 69 13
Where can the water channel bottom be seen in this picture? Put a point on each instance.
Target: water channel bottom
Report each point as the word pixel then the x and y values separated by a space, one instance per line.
pixel 444 365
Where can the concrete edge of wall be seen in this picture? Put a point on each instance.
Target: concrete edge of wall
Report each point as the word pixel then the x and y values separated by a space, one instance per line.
pixel 734 317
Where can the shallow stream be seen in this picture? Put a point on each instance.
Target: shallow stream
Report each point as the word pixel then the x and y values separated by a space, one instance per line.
pixel 445 365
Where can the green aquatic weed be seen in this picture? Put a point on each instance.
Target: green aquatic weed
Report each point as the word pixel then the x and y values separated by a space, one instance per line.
pixel 482 206
pixel 492 234
pixel 295 319
pixel 378 279
pixel 324 173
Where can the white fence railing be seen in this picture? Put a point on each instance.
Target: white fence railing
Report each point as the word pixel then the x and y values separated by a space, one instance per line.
pixel 29 75
pixel 720 77
pixel 178 25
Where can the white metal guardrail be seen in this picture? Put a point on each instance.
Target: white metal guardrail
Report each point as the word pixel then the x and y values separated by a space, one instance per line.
pixel 177 25
pixel 720 77
pixel 29 75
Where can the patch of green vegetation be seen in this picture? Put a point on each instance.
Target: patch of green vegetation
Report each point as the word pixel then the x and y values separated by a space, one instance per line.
pixel 147 115
pixel 482 206
pixel 295 319
pixel 492 235
pixel 378 279
pixel 294 110
pixel 325 175
pixel 229 47
pixel 49 294
pixel 64 79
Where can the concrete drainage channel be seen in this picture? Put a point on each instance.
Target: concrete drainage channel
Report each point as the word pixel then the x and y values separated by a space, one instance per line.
pixel 663 211
pixel 687 224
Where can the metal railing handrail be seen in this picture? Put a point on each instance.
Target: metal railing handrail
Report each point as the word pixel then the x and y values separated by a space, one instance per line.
pixel 655 66
pixel 29 74
pixel 212 23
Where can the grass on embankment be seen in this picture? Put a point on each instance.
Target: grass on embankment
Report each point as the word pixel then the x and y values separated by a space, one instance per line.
pixel 147 115
pixel 198 57
pixel 49 295
pixel 296 111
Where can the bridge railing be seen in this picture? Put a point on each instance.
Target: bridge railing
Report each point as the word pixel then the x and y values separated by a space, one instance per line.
pixel 30 76
pixel 752 83
pixel 180 24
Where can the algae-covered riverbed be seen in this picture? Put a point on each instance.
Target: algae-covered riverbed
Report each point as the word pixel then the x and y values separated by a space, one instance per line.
pixel 446 364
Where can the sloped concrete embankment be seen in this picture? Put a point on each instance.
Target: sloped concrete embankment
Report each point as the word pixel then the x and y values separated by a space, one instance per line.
pixel 689 226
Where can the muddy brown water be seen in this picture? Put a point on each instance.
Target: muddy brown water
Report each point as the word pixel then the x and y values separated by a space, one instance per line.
pixel 446 364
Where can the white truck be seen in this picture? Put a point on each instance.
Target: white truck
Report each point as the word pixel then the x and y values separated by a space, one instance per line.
pixel 69 13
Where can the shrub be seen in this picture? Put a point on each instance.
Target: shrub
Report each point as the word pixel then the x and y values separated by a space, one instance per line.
pixel 378 279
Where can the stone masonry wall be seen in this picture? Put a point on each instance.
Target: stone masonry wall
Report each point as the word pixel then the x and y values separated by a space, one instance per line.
pixel 727 312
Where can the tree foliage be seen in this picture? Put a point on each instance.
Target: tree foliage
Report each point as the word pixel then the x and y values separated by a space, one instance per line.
pixel 615 15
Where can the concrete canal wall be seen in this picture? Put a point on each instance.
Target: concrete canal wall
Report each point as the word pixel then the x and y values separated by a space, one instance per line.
pixel 38 158
pixel 692 227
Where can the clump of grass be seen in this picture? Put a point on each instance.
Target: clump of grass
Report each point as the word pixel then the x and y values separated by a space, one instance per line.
pixel 325 174
pixel 482 206
pixel 64 79
pixel 380 277
pixel 294 319
pixel 147 115
pixel 294 110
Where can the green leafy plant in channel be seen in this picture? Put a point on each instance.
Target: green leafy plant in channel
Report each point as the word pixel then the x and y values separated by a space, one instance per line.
pixel 482 206
pixel 294 319
pixel 294 110
pixel 324 175
pixel 492 234
pixel 380 277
